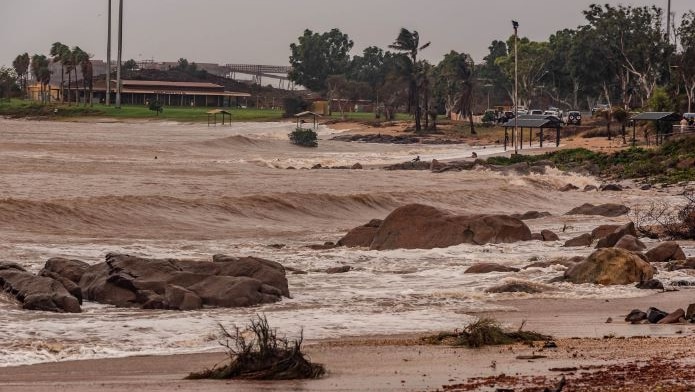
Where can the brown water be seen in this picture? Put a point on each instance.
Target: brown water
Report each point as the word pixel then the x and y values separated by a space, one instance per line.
pixel 81 190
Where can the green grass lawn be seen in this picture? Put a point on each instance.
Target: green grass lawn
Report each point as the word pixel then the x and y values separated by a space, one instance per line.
pixel 22 108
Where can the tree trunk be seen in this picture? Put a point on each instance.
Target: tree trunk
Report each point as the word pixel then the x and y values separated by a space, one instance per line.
pixel 62 83
pixel 69 85
pixel 470 119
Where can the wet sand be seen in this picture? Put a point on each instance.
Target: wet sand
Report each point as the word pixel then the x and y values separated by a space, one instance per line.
pixel 402 363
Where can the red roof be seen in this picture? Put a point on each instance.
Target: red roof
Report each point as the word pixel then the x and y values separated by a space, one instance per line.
pixel 150 83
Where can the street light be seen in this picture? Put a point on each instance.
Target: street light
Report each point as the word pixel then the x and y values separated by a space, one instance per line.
pixel 120 50
pixel 108 59
pixel 515 24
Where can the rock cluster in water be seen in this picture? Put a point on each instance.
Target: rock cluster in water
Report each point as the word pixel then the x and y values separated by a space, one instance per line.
pixel 130 281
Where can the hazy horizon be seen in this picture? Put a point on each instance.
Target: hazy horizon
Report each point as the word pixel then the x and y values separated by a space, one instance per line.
pixel 260 32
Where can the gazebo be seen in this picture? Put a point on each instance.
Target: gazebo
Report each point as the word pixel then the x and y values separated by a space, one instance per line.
pixel 657 118
pixel 212 114
pixel 307 114
pixel 532 122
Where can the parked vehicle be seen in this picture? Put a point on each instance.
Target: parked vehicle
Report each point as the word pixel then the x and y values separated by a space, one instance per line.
pixel 574 117
pixel 536 112
pixel 599 108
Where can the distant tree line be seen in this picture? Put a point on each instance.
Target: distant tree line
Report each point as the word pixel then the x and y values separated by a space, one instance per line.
pixel 620 56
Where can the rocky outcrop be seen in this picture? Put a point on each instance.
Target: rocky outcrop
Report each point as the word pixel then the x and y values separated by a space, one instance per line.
pixel 361 236
pixel 665 251
pixel 37 292
pixel 130 281
pixel 568 187
pixel 608 210
pixel 485 268
pixel 611 239
pixel 610 266
pixel 611 188
pixel 418 226
pixel 582 240
pixel 674 317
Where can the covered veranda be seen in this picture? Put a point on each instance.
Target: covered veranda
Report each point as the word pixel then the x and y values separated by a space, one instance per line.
pixel 658 118
pixel 531 123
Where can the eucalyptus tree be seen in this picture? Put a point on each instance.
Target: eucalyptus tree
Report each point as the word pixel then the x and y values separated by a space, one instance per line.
pixel 408 43
pixel 41 72
pixel 636 47
pixel 686 59
pixel 533 67
pixel 455 76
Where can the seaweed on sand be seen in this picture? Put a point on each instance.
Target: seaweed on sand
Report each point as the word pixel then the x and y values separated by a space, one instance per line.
pixel 263 357
pixel 485 332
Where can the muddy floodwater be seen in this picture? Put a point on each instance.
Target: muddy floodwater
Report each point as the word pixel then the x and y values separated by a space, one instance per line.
pixel 158 189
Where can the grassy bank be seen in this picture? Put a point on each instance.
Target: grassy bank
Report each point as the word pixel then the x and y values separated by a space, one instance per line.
pixel 672 162
pixel 21 109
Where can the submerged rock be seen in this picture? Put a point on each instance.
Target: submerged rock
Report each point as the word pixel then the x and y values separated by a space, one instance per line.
pixel 484 268
pixel 630 243
pixel 417 226
pixel 651 284
pixel 610 266
pixel 549 236
pixel 609 210
pixel 520 286
pixel 636 316
pixel 582 240
pixel 603 231
pixel 674 317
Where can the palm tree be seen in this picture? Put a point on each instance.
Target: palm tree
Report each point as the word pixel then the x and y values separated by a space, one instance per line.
pixel 67 60
pixel 21 66
pixel 465 71
pixel 39 68
pixel 409 43
pixel 58 53
pixel 79 58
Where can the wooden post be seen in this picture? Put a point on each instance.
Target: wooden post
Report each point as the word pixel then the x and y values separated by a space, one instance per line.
pixel 530 136
pixel 557 137
pixel 521 141
pixel 505 138
pixel 541 137
pixel 634 130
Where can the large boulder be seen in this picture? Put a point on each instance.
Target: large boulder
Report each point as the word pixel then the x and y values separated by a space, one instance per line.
pixel 361 236
pixel 610 266
pixel 38 292
pixel 665 251
pixel 130 281
pixel 549 236
pixel 417 226
pixel 609 210
pixel 611 239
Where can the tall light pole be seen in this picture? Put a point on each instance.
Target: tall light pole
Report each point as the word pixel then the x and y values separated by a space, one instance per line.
pixel 516 82
pixel 108 59
pixel 668 22
pixel 120 50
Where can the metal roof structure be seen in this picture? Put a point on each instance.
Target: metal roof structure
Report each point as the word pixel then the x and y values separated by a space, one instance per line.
pixel 533 121
pixel 150 83
pixel 657 116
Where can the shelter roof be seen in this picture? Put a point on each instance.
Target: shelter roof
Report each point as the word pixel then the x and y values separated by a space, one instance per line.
pixel 149 83
pixel 656 116
pixel 307 114
pixel 533 121
pixel 219 111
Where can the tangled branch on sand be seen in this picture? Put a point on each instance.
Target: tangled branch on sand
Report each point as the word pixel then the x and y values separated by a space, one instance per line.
pixel 264 357
pixel 485 332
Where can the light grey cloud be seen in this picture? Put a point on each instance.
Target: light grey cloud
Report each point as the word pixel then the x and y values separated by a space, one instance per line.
pixel 260 31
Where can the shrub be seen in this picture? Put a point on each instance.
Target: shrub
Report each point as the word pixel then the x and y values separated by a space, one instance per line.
pixel 156 106
pixel 294 105
pixel 486 332
pixel 264 357
pixel 304 137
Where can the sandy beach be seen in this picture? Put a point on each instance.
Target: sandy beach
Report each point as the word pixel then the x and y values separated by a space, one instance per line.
pixel 155 189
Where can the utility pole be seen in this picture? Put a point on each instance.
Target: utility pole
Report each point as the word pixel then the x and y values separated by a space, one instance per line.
pixel 516 83
pixel 120 50
pixel 108 60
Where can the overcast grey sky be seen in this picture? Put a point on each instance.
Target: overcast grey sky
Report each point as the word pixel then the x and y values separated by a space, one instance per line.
pixel 260 31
